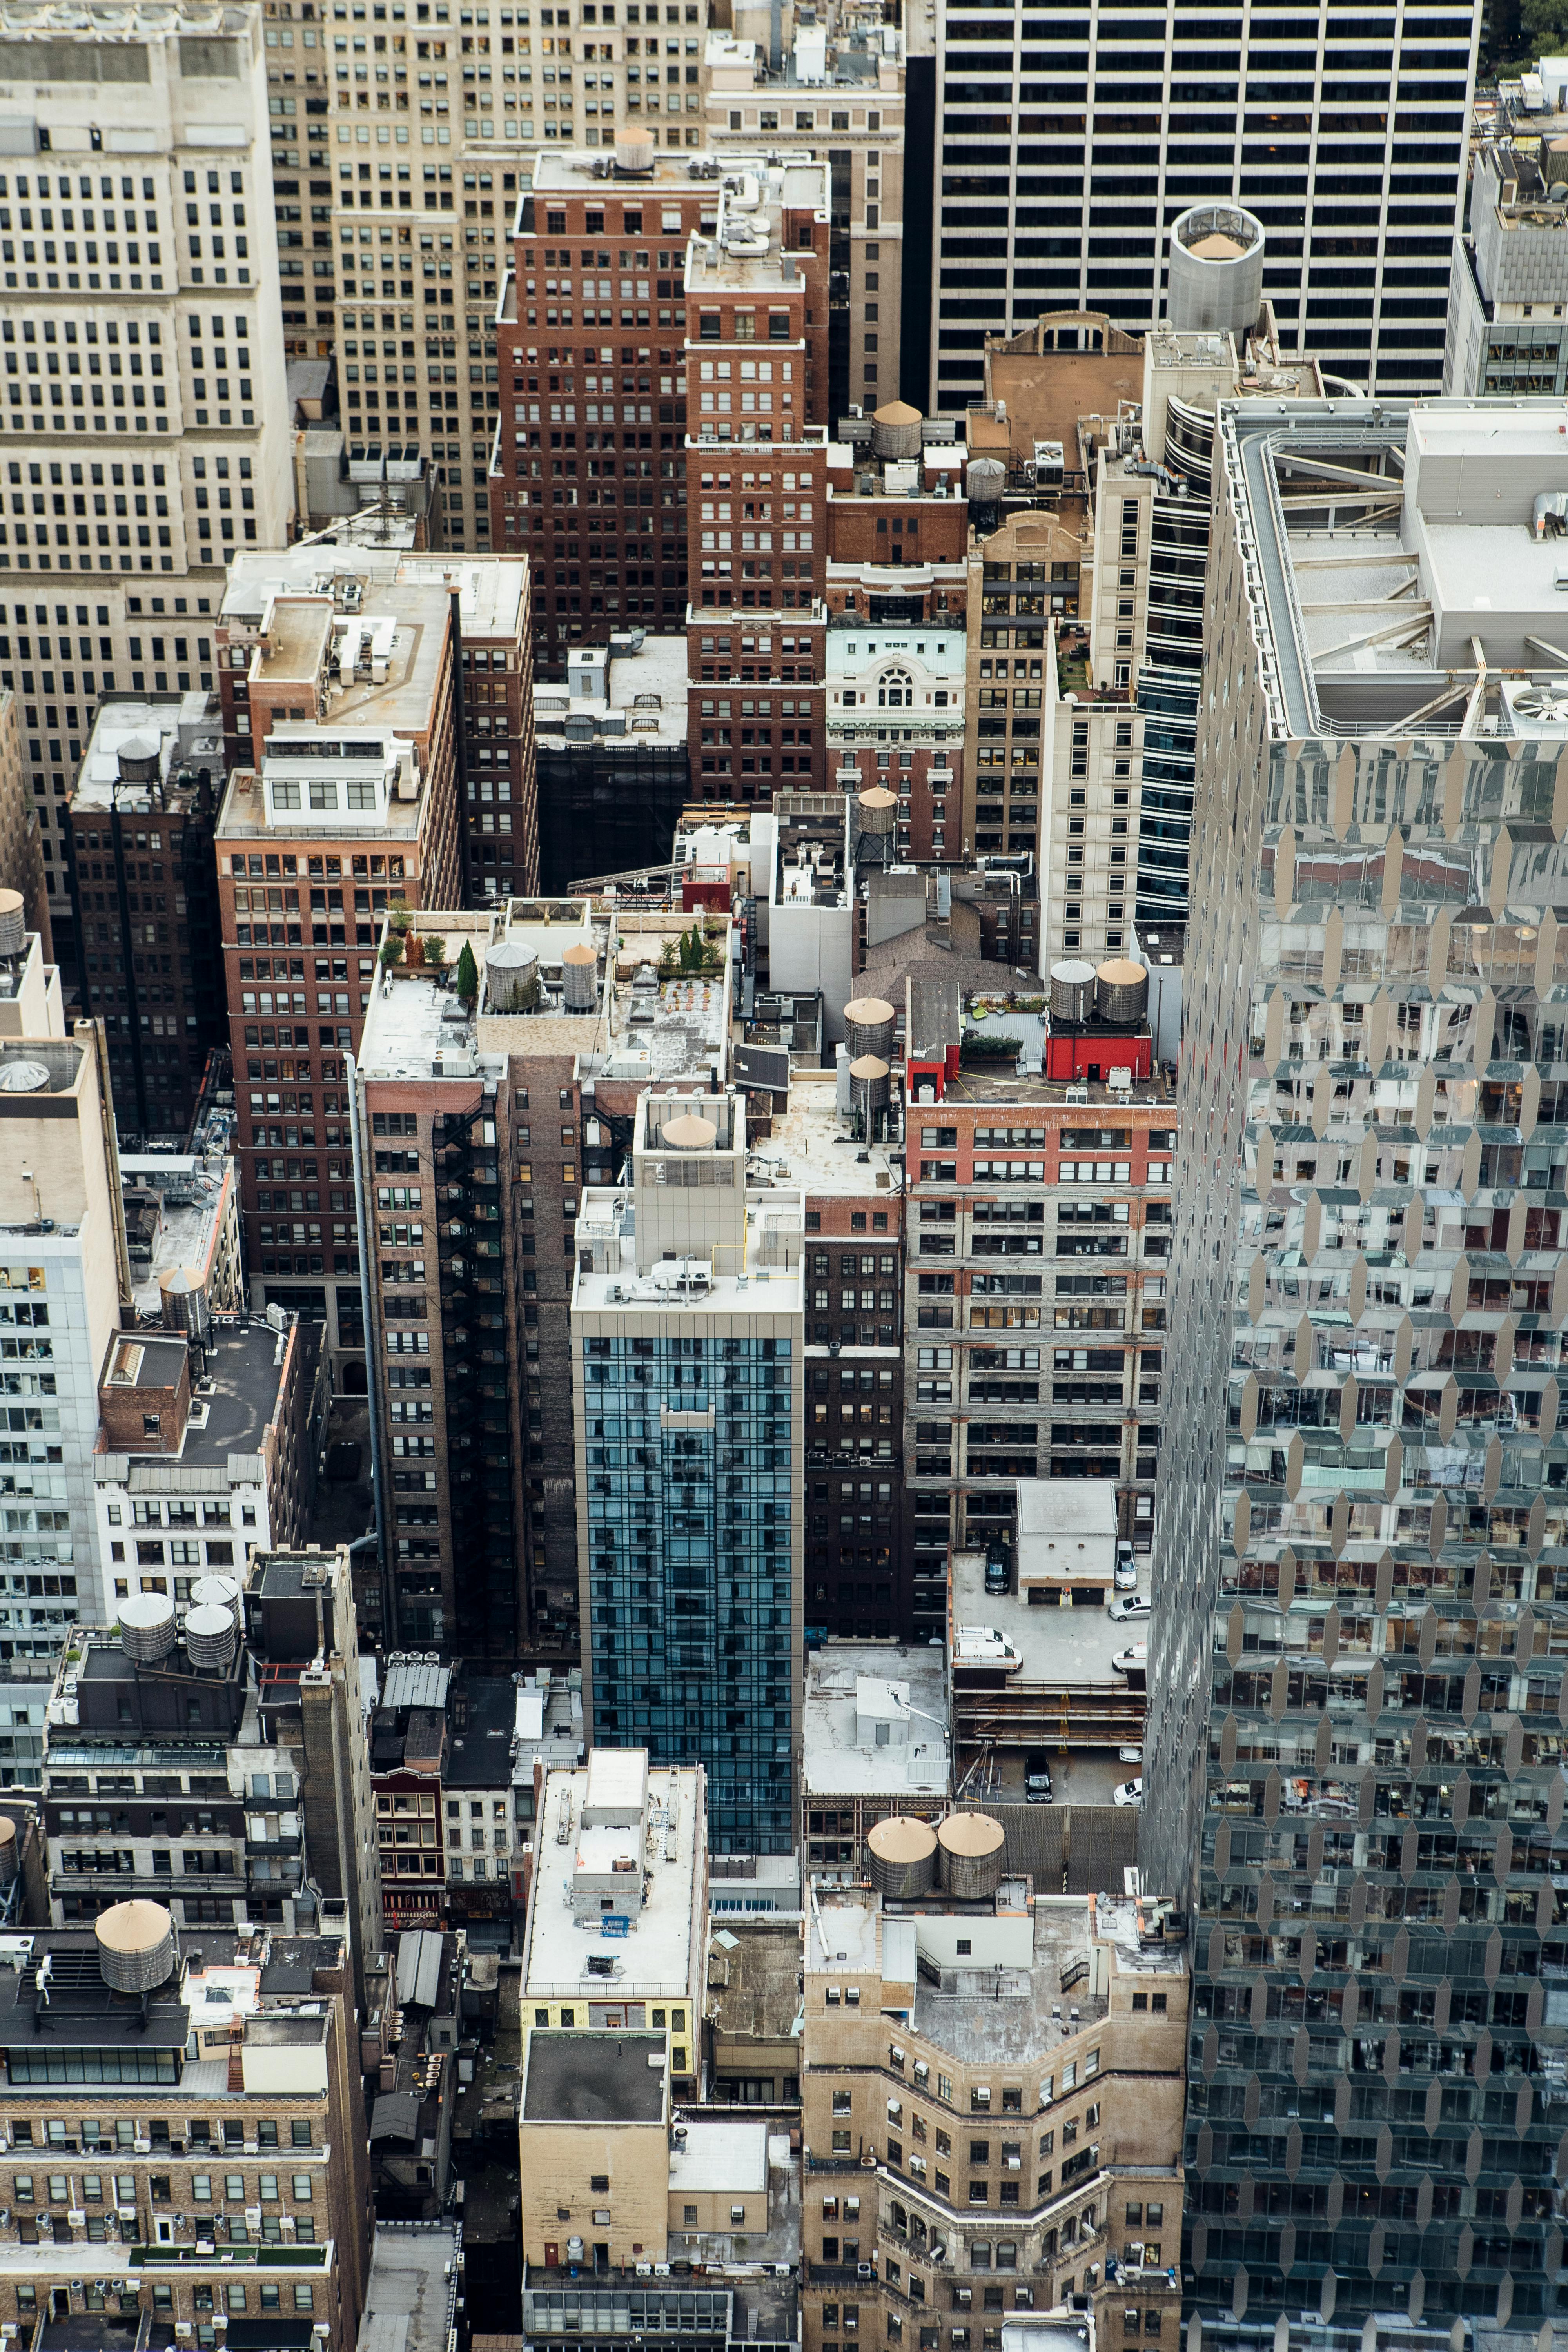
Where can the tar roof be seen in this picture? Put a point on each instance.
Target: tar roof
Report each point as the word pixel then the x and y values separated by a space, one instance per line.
pixel 597 2077
pixel 480 1756
pixel 246 1378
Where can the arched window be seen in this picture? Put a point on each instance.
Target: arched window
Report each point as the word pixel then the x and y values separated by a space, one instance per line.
pixel 896 690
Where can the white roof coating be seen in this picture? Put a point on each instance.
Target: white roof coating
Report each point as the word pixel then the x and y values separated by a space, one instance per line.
pixel 655 1956
pixel 842 1935
pixel 1066 1506
pixel 721 2155
pixel 618 1780
pixel 849 1685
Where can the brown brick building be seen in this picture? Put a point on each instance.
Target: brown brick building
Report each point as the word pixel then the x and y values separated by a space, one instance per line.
pixel 350 803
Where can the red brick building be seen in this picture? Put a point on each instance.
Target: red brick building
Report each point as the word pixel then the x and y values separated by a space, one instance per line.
pixel 351 804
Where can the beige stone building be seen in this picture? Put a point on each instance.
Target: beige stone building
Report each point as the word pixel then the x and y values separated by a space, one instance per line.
pixel 832 89
pixel 592 2141
pixel 218 2190
pixel 21 847
pixel 146 423
pixel 991 2103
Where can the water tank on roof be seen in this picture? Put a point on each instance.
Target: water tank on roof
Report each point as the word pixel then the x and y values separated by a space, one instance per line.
pixel 1216 270
pixel 135 1946
pixel 216 1593
pixel 896 430
pixel 687 1133
pixel 1073 989
pixel 511 977
pixel 580 978
pixel 901 1853
pixel 182 1301
pixel 868 1088
pixel 140 759
pixel 984 479
pixel 147 1627
pixel 971 1849
pixel 211 1635
pixel 868 1028
pixel 8 1864
pixel 1120 990
pixel 876 810
pixel 635 151
pixel 12 924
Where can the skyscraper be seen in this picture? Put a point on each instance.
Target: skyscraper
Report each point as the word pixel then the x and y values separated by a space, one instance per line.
pixel 687 1331
pixel 1068 141
pixel 1356 1703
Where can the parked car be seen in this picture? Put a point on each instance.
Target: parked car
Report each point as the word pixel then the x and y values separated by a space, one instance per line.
pixel 1129 1755
pixel 1132 1604
pixel 1126 1661
pixel 1128 1792
pixel 1036 1777
pixel 1124 1576
pixel 995 1569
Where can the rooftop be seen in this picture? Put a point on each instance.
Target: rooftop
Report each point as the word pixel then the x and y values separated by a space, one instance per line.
pixel 641 698
pixel 599 2077
pixel 654 1955
pixel 410 2301
pixel 812 1147
pixel 747 254
pixel 174 1208
pixel 131 20
pixel 480 1756
pixel 183 734
pixel 1375 586
pixel 649 1024
pixel 491 588
pixel 246 1367
pixel 720 2155
pixel 754 1970
pixel 854 1687
pixel 1048 1645
pixel 769 1284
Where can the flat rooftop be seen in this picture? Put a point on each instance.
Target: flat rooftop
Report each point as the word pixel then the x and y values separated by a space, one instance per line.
pixel 854 1684
pixel 246 1379
pixel 654 1956
pixel 647 691
pixel 1052 1644
pixel 596 2077
pixel 766 1288
pixel 1391 543
pixel 748 255
pixel 720 2155
pixel 753 1968
pixel 191 1195
pixel 410 2303
pixel 186 731
pixel 480 1756
pixel 810 1145
pixel 492 589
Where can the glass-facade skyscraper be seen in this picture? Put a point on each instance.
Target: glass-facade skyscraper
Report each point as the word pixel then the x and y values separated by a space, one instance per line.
pixel 687 1323
pixel 1356 1743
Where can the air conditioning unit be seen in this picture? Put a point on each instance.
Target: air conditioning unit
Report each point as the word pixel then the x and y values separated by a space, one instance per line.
pixel 864 2270
pixel 182 2330
pixel 253 2215
pixel 78 2220
pixel 252 2147
pixel 143 2146
pixel 205 2246
pixel 645 2270
pixel 126 2212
